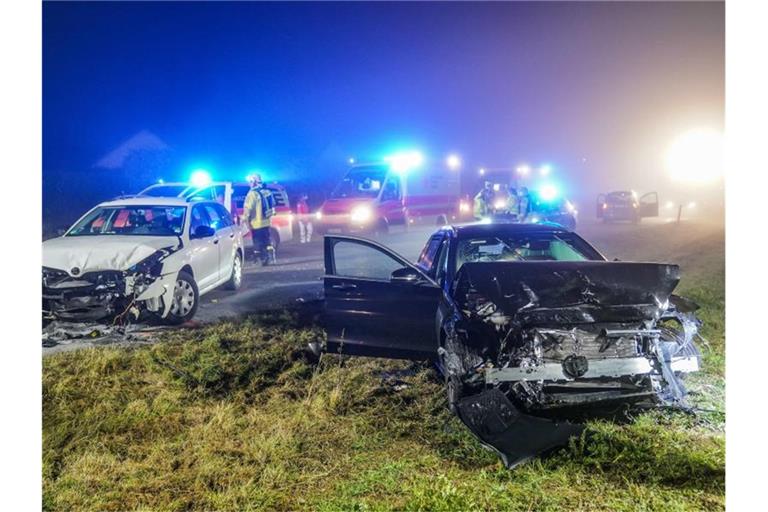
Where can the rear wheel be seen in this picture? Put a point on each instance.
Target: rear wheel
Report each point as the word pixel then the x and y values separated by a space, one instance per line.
pixel 185 300
pixel 236 278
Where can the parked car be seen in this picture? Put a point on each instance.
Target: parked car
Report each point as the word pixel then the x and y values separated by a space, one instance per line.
pixel 139 255
pixel 532 329
pixel 231 194
pixel 625 205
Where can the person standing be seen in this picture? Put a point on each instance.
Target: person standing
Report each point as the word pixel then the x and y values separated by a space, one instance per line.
pixel 482 206
pixel 524 204
pixel 258 209
pixel 304 219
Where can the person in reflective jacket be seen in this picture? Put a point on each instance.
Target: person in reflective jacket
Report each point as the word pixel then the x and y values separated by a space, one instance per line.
pixel 482 206
pixel 258 209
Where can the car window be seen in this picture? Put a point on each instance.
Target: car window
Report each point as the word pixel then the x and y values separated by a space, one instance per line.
pixel 217 222
pixel 528 247
pixel 131 220
pixel 429 254
pixel 224 216
pixel 357 260
pixel 198 218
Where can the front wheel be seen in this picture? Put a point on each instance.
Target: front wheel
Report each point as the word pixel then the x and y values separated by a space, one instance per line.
pixel 236 278
pixel 185 300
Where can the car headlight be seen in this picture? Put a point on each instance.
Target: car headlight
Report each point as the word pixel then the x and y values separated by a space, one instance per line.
pixel 319 215
pixel 151 265
pixel 463 206
pixel 499 204
pixel 361 214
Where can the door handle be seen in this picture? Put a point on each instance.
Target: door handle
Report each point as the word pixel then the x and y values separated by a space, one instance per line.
pixel 216 241
pixel 231 235
pixel 344 287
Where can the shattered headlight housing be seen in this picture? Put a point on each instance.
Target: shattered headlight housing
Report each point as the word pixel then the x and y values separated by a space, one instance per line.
pixel 52 275
pixel 152 265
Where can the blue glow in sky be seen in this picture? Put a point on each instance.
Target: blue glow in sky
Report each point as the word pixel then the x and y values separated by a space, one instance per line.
pixel 597 89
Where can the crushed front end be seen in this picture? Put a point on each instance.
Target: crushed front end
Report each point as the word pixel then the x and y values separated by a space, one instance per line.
pixel 100 294
pixel 536 347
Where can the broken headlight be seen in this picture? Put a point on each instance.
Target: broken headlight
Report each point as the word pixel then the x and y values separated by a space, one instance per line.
pixel 152 265
pixel 52 276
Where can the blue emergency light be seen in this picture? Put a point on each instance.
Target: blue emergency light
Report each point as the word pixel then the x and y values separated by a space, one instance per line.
pixel 404 161
pixel 200 178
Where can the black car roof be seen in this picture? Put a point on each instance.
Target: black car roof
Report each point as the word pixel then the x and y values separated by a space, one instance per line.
pixel 470 230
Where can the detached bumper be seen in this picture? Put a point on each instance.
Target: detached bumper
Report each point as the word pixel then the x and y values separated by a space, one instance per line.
pixel 513 435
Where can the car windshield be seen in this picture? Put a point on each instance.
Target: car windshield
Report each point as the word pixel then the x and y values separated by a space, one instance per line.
pixel 546 246
pixel 131 220
pixel 165 190
pixel 361 183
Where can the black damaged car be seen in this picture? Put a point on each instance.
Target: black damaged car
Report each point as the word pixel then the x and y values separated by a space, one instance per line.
pixel 531 327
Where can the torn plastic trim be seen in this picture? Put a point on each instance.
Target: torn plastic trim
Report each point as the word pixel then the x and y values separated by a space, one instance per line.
pixel 514 436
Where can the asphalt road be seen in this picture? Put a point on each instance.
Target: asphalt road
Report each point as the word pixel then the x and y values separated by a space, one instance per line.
pixel 297 275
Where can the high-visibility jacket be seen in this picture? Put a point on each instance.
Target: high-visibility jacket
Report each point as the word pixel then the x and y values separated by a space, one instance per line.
pixel 257 208
pixel 481 206
pixel 512 205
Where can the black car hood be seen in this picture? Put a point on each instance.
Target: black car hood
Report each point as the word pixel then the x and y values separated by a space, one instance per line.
pixel 569 292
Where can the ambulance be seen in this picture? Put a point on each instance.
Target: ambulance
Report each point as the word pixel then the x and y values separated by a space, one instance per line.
pixel 400 190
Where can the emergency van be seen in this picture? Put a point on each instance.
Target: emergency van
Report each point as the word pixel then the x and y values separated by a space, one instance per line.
pixel 372 197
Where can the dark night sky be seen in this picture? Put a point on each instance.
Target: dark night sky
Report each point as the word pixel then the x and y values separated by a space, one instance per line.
pixel 240 85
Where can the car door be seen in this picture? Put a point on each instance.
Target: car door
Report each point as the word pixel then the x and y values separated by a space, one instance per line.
pixel 204 253
pixel 221 222
pixel 649 205
pixel 376 302
pixel 600 206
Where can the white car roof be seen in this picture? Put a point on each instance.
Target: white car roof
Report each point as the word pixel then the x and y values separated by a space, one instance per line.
pixel 150 201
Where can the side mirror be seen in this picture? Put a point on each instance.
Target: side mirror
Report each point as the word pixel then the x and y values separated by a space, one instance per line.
pixel 404 275
pixel 203 232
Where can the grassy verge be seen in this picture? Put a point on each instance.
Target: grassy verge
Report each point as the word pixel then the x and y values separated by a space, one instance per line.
pixel 234 417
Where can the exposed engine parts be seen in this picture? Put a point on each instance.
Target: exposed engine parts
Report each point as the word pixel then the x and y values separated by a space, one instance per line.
pixel 559 343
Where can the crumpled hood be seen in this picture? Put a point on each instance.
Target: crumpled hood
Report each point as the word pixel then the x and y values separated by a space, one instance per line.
pixel 108 252
pixel 570 292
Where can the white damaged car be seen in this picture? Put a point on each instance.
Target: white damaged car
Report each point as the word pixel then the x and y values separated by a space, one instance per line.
pixel 141 255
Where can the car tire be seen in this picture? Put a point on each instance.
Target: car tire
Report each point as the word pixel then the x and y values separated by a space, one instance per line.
pixel 186 298
pixel 236 278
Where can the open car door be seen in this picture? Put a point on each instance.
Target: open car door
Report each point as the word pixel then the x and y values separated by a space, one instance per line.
pixel 376 302
pixel 599 206
pixel 649 205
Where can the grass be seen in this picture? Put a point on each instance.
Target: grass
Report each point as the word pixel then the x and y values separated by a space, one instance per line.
pixel 234 417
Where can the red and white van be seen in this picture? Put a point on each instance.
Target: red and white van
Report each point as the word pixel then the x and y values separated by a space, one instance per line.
pixel 373 197
pixel 232 194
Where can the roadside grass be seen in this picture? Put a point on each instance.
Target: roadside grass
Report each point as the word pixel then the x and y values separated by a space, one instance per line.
pixel 236 417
